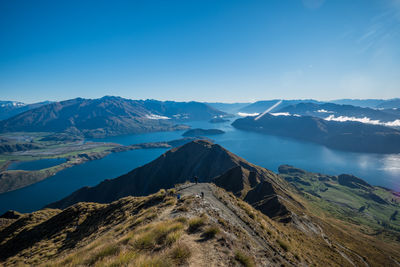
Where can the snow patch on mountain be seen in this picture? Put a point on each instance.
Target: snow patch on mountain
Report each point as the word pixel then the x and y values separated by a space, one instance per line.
pixel 156 117
pixel 324 111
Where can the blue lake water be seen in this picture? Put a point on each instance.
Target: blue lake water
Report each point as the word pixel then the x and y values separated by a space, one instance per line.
pixel 263 150
pixel 35 164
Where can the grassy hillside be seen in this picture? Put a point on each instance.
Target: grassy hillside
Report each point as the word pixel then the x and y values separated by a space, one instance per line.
pixel 351 199
pixel 159 230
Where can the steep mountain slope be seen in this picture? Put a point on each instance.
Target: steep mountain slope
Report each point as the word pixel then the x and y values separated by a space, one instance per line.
pixel 350 136
pixel 9 109
pixel 199 158
pixel 335 110
pixel 159 230
pixel 148 231
pixel 108 116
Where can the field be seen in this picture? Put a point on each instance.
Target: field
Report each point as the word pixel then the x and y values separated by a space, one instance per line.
pixel 75 152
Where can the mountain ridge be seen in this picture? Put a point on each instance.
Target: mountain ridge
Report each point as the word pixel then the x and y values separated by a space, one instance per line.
pixel 108 115
pixel 209 162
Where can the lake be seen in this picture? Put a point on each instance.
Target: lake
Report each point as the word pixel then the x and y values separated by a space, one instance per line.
pixel 263 150
pixel 35 164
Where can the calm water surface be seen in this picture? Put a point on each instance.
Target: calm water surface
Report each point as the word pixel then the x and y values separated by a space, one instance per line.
pixel 266 151
pixel 35 164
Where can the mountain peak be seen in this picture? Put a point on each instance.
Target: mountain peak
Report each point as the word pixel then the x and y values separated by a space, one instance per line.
pixel 208 161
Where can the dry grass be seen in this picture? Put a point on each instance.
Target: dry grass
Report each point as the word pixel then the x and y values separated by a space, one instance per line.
pixel 210 232
pixel 180 253
pixel 158 236
pixel 244 259
pixel 283 244
pixel 106 251
pixel 144 231
pixel 196 223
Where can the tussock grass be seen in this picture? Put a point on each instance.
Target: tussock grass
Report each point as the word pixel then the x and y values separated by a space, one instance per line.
pixel 158 235
pixel 244 259
pixel 102 253
pixel 152 261
pixel 171 192
pixel 183 208
pixel 196 223
pixel 283 244
pixel 211 231
pixel 123 259
pixel 180 253
pixel 222 222
pixel 181 219
pixel 170 201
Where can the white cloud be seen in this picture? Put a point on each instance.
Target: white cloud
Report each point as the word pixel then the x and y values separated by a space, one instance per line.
pixel 395 123
pixel 243 114
pixel 284 114
pixel 280 114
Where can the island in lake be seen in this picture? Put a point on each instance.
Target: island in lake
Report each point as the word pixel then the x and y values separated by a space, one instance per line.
pixel 202 132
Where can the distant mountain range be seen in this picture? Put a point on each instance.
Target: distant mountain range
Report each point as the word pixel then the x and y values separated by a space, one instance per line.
pixel 370 103
pixel 349 136
pixel 261 106
pixel 12 108
pixel 231 108
pixel 334 110
pixel 392 103
pixel 109 116
pixel 365 103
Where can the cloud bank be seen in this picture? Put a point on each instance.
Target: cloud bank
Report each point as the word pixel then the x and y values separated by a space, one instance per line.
pixel 395 123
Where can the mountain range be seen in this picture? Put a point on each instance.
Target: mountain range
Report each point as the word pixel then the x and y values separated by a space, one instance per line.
pixel 9 109
pixel 108 116
pixel 349 136
pixel 261 106
pixel 335 110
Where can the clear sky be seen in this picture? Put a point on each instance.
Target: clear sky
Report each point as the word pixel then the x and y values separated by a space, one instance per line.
pixel 205 50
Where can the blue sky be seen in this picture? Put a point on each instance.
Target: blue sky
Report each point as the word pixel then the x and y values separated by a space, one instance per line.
pixel 205 50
